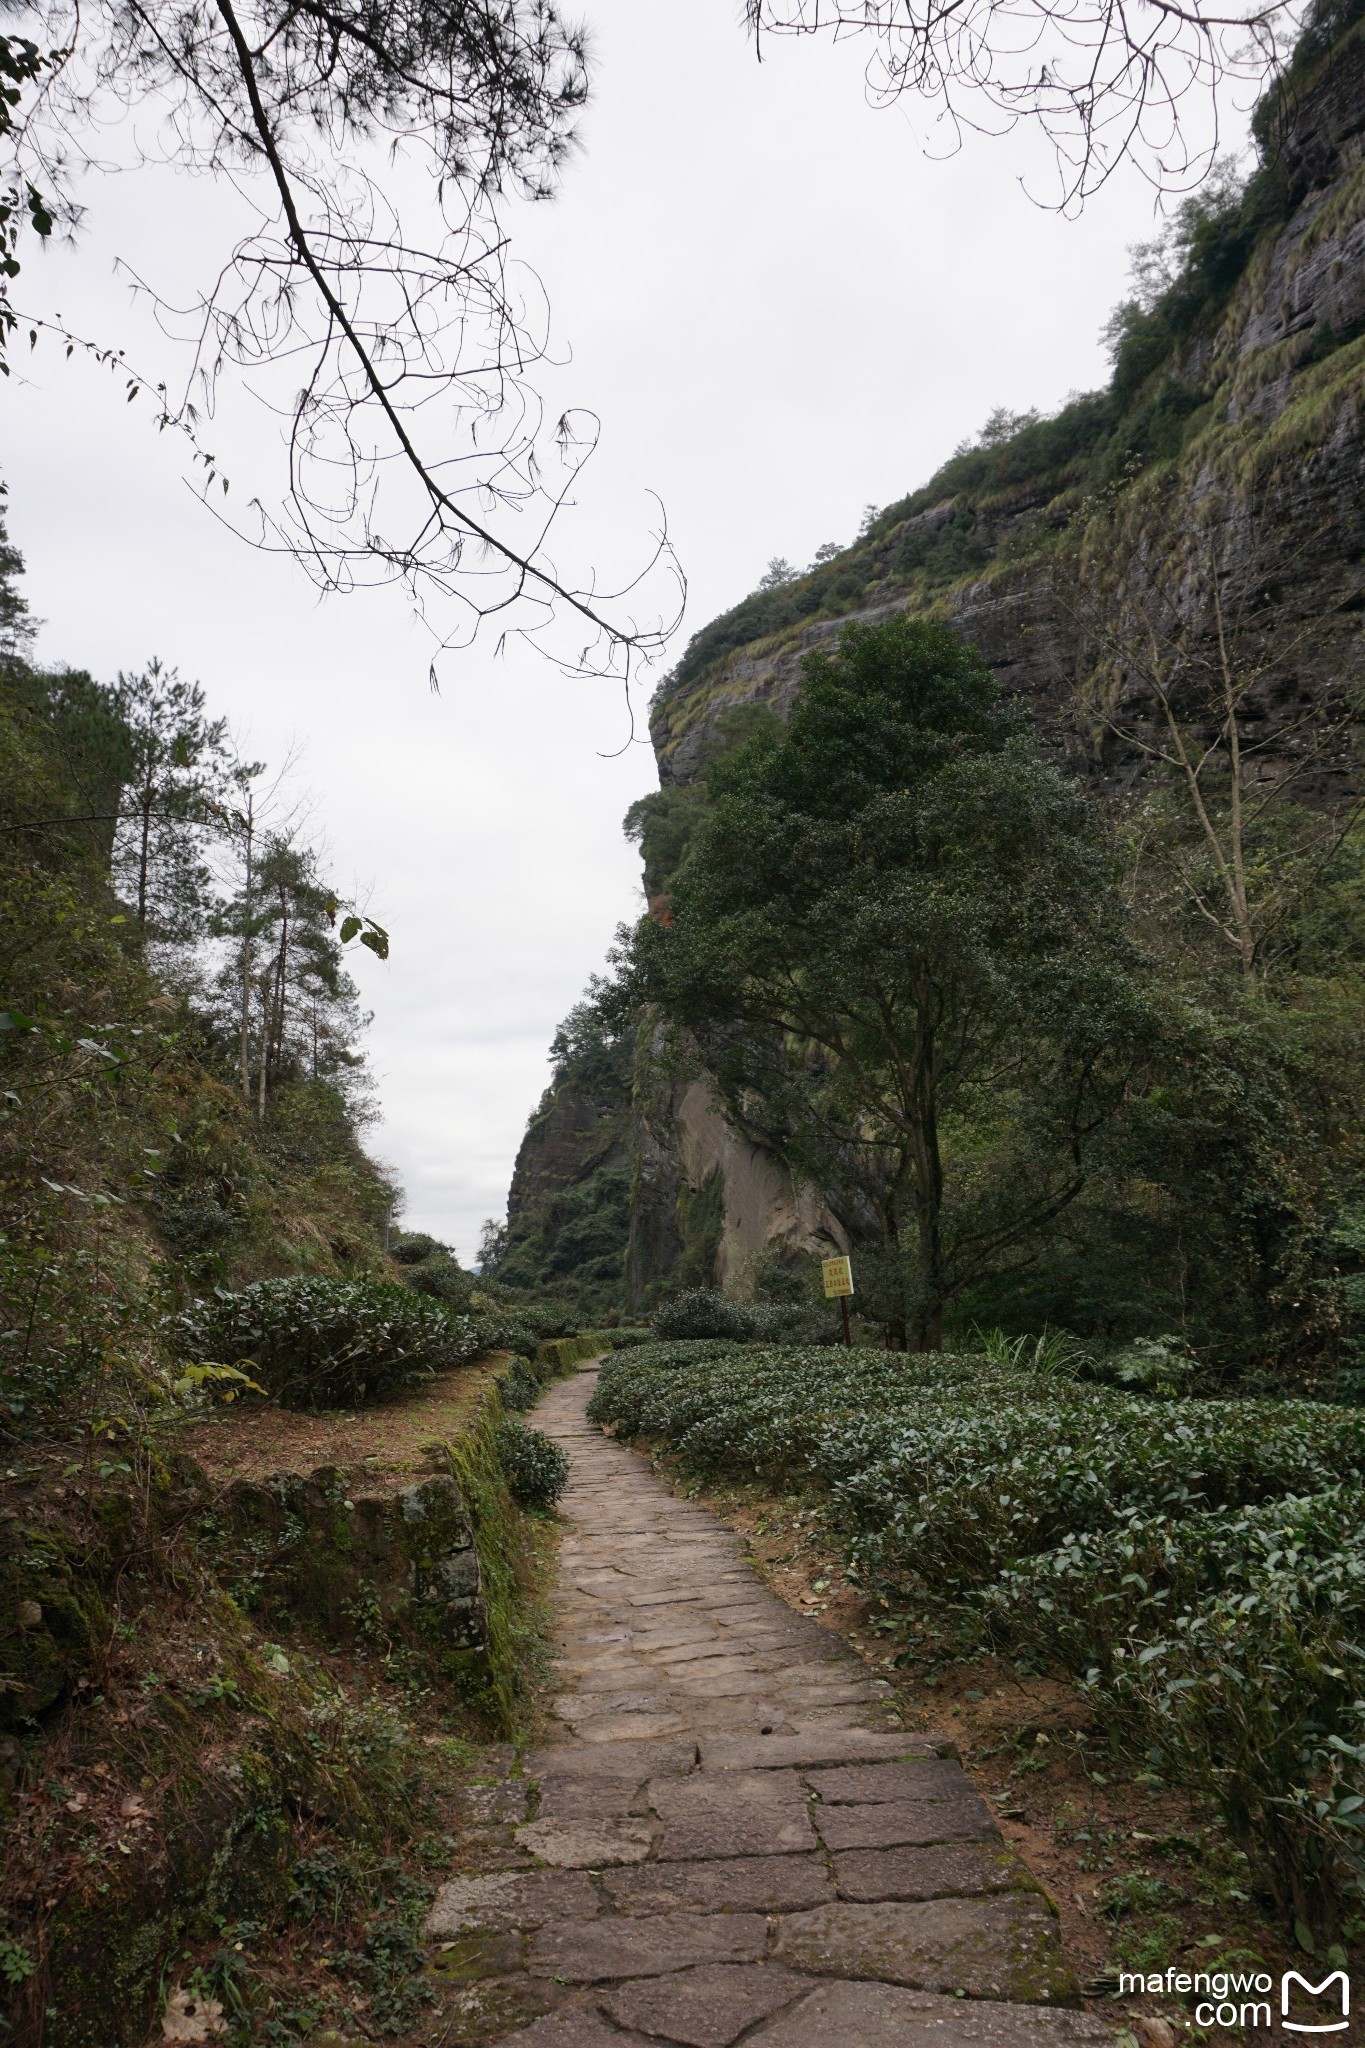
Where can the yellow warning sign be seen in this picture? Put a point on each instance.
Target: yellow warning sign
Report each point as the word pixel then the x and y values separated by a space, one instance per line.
pixel 838 1277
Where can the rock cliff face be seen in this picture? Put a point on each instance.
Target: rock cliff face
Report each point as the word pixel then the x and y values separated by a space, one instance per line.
pixel 705 1200
pixel 568 1209
pixel 1262 480
pixel 1267 480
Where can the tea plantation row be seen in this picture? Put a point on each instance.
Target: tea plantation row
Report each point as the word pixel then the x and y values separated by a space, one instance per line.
pixel 1197 1566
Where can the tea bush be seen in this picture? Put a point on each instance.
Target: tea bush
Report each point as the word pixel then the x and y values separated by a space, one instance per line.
pixel 519 1385
pixel 327 1343
pixel 702 1312
pixel 1226 1647
pixel 536 1470
pixel 1198 1565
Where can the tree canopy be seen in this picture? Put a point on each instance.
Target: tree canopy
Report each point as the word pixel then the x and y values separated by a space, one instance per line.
pixel 897 941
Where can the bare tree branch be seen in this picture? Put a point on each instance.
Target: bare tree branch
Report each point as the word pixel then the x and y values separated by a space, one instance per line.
pixel 1106 80
pixel 402 367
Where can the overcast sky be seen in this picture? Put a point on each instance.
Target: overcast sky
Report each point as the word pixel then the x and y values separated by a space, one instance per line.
pixel 783 309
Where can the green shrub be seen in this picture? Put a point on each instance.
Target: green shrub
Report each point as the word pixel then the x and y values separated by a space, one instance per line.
pixel 414 1246
pixel 544 1318
pixel 1227 1650
pixel 327 1343
pixel 519 1385
pixel 536 1470
pixel 560 1353
pixel 628 1339
pixel 703 1312
pixel 442 1280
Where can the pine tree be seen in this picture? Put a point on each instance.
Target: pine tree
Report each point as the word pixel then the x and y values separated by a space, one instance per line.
pixel 178 771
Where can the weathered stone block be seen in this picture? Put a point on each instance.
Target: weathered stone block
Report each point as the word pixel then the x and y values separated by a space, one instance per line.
pixel 815 1747
pixel 877 1784
pixel 403 1561
pixel 948 1870
pixel 988 1948
pixel 906 1821
pixel 884 2016
pixel 707 2007
pixel 763 1814
pixel 587 1844
pixel 595 1951
pixel 510 1899
pixel 753 1884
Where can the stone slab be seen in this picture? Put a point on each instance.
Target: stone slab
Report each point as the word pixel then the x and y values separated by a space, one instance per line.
pixel 1004 1948
pixel 948 1870
pixel 885 2016
pixel 749 1884
pixel 816 1746
pixel 906 1822
pixel 709 2007
pixel 570 2030
pixel 762 1813
pixel 879 1784
pixel 510 1899
pixel 596 1798
pixel 571 1706
pixel 667 1759
pixel 594 1951
pixel 590 1724
pixel 586 1844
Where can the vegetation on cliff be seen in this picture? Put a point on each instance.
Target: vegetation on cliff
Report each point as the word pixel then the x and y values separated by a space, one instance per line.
pixel 568 1217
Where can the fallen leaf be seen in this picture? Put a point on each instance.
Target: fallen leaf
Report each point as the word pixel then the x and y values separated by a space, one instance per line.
pixel 189 2017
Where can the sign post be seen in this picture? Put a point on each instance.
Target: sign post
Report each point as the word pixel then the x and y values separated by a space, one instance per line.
pixel 838 1276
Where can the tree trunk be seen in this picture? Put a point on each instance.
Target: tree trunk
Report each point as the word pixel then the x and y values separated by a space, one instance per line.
pixel 265 1046
pixel 928 1162
pixel 281 985
pixel 247 962
pixel 145 801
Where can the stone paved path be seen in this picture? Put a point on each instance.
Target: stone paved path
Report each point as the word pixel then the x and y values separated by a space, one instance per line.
pixel 733 1840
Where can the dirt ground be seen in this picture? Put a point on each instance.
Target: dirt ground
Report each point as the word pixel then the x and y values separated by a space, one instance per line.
pixel 385 1443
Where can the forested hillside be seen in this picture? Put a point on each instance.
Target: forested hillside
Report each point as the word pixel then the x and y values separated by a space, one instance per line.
pixel 184 1084
pixel 257 1488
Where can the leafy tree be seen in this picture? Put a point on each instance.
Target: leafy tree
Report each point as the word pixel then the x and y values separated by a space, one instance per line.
pixel 177 770
pixel 492 1245
pixel 302 1015
pixel 778 572
pixel 16 627
pixel 897 941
